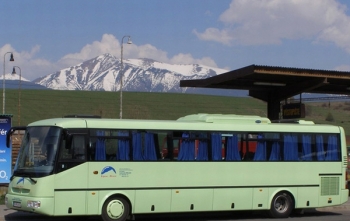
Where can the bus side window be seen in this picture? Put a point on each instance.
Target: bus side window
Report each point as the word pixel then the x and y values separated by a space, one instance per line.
pixel 78 147
pixel 248 144
pixel 170 146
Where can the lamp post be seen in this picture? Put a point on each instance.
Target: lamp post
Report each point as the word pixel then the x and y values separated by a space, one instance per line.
pixel 122 74
pixel 3 82
pixel 19 92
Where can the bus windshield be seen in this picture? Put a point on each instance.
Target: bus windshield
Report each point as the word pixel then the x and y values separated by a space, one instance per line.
pixel 37 153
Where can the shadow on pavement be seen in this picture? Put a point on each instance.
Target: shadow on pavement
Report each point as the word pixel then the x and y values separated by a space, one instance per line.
pixel 17 216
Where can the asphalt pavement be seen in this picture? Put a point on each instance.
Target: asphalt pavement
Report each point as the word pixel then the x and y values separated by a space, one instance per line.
pixel 13 215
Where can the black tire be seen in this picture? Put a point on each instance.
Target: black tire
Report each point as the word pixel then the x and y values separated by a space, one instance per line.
pixel 115 209
pixel 282 205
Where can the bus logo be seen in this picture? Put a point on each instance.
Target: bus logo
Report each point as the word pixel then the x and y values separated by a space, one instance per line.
pixel 108 171
pixel 21 180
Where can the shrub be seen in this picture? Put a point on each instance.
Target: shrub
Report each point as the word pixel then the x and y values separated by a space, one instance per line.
pixel 329 117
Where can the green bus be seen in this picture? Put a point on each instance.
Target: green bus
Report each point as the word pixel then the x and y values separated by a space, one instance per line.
pixel 116 168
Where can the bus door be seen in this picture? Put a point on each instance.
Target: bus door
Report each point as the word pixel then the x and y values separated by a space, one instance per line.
pixel 71 176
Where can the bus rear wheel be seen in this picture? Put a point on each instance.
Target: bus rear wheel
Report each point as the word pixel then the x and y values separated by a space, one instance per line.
pixel 115 209
pixel 282 205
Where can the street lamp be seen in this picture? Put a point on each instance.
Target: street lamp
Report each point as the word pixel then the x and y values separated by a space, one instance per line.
pixel 19 92
pixel 122 74
pixel 3 82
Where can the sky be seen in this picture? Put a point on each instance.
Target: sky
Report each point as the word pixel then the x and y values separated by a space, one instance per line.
pixel 47 36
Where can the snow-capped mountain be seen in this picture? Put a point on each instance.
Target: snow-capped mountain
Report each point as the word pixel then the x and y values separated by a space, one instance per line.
pixel 13 77
pixel 15 81
pixel 145 75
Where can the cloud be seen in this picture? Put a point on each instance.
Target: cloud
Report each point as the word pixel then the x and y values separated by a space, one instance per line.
pixel 343 68
pixel 150 51
pixel 188 59
pixel 109 44
pixel 33 67
pixel 214 34
pixel 271 21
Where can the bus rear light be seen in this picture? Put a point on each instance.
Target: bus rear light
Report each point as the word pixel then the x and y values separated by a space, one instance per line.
pixel 33 204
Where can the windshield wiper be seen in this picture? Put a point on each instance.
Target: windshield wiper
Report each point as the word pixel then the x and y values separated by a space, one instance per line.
pixel 16 174
pixel 34 181
pixel 31 179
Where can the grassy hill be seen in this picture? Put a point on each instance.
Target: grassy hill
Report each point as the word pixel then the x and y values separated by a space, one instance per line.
pixel 42 104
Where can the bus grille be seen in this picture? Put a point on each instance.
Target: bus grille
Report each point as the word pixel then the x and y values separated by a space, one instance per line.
pixel 20 190
pixel 329 186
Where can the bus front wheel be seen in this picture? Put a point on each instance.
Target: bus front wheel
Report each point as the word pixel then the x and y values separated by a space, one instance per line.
pixel 282 205
pixel 115 209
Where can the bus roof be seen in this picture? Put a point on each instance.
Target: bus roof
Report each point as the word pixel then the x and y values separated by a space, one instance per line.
pixel 205 122
pixel 225 118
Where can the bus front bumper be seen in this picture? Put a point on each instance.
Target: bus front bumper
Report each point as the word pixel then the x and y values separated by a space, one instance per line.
pixel 38 205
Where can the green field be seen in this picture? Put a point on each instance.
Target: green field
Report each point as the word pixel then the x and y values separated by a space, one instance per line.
pixel 42 104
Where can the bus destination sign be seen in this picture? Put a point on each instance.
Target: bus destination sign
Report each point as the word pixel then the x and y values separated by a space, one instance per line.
pixel 296 110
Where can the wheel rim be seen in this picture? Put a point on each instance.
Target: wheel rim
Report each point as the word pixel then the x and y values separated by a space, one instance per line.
pixel 281 204
pixel 115 209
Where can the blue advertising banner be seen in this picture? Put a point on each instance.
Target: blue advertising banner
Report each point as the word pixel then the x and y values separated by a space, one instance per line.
pixel 5 152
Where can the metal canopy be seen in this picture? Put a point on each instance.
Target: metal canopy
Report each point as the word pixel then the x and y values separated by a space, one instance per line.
pixel 274 84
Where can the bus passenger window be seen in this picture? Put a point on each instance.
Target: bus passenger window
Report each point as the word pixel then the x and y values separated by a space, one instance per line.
pixel 78 147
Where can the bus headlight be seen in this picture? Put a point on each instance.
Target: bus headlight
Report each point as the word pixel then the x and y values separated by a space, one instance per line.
pixel 33 204
pixel 6 200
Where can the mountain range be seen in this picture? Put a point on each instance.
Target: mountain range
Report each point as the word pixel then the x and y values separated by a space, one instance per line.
pixel 104 73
